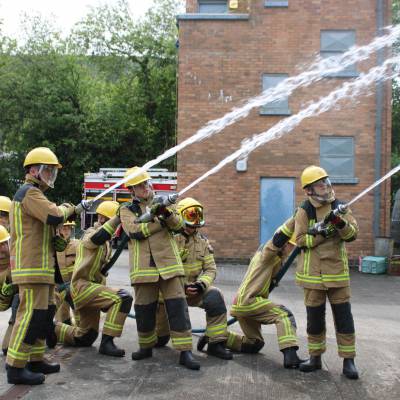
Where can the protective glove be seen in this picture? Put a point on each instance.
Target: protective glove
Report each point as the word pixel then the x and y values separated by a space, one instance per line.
pixel 320 228
pixel 63 286
pixel 59 243
pixel 84 205
pixel 184 253
pixel 7 289
pixel 195 288
pixel 335 219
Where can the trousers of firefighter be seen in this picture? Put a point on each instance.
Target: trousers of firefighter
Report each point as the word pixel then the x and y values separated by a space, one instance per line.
pixel 173 268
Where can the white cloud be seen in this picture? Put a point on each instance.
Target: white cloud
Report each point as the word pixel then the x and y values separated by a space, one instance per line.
pixel 66 13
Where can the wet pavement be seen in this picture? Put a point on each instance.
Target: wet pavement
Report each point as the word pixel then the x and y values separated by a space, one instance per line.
pixel 86 374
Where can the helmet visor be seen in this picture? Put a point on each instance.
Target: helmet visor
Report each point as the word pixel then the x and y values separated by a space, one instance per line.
pixel 193 216
pixel 322 190
pixel 48 174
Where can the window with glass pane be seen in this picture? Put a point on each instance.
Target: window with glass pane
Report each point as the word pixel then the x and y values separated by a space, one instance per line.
pixel 213 6
pixel 335 43
pixel 337 157
pixel 279 107
pixel 276 3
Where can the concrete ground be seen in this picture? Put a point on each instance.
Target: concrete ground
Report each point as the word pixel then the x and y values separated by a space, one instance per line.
pixel 85 374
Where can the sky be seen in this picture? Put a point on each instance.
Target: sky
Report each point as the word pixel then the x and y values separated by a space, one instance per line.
pixel 66 12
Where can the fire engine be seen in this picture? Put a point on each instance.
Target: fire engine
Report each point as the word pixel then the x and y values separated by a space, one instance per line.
pixel 164 182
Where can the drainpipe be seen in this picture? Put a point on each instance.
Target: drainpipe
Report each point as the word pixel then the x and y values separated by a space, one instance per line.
pixel 378 121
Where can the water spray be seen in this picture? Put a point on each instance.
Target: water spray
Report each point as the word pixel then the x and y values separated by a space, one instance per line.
pixel 317 71
pixel 348 90
pixel 321 226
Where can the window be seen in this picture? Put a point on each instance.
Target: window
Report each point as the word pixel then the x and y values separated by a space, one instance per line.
pixel 213 6
pixel 337 158
pixel 334 43
pixel 276 3
pixel 278 107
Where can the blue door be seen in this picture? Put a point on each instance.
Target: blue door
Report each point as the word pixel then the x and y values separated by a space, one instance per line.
pixel 277 202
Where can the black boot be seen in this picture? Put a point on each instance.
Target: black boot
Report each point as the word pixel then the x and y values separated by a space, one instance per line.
pixel 108 347
pixel 290 357
pixel 312 364
pixel 203 340
pixel 349 368
pixel 162 341
pixel 22 376
pixel 186 359
pixel 219 350
pixel 43 366
pixel 252 348
pixel 142 353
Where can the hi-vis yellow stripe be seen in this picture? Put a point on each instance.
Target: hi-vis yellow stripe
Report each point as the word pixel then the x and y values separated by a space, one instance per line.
pixel 45 247
pixel 18 232
pixel 21 333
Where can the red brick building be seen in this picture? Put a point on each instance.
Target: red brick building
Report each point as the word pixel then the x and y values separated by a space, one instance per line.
pixel 230 51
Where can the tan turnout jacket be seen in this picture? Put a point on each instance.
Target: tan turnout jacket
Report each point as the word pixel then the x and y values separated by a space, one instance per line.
pixel 33 219
pixel 93 252
pixel 264 265
pixel 66 260
pixel 198 258
pixel 323 261
pixel 153 251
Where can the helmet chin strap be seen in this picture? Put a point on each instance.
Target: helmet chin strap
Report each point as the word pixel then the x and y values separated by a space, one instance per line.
pixel 324 199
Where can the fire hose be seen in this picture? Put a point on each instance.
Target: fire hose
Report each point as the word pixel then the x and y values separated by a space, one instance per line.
pixel 273 285
pixel 165 201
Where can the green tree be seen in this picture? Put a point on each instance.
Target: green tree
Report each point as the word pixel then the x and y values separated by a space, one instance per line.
pixel 104 96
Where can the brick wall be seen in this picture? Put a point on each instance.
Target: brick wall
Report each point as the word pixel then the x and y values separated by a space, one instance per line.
pixel 221 64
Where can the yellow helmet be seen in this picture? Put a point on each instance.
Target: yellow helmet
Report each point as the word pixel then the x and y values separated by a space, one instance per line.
pixel 191 211
pixel 41 155
pixel 5 203
pixel 312 174
pixel 142 177
pixel 107 208
pixel 4 235
pixel 69 223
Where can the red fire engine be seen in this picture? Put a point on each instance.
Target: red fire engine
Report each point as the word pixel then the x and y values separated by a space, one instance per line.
pixel 164 182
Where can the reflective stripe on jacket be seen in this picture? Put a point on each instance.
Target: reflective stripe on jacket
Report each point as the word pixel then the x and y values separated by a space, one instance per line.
pixel 153 251
pixel 323 262
pixel 198 258
pixel 33 219
pixel 93 252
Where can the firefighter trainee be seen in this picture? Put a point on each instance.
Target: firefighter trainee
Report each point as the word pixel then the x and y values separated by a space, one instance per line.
pixel 89 292
pixel 156 266
pixel 200 272
pixel 323 269
pixel 253 308
pixel 33 219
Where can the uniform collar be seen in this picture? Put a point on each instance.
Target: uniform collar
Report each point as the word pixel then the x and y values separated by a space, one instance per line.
pixel 36 182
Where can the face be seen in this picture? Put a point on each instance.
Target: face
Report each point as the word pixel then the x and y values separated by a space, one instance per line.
pixel 4 247
pixel 189 230
pixel 66 231
pixel 321 190
pixel 143 190
pixel 46 173
pixel 102 219
pixel 4 219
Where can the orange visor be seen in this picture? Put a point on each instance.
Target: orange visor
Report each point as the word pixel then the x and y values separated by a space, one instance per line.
pixel 193 216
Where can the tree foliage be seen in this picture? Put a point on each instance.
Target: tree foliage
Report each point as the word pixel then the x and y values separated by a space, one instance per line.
pixel 105 96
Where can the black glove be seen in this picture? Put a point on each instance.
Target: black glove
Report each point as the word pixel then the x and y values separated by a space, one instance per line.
pixel 199 286
pixel 335 219
pixel 59 243
pixel 320 228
